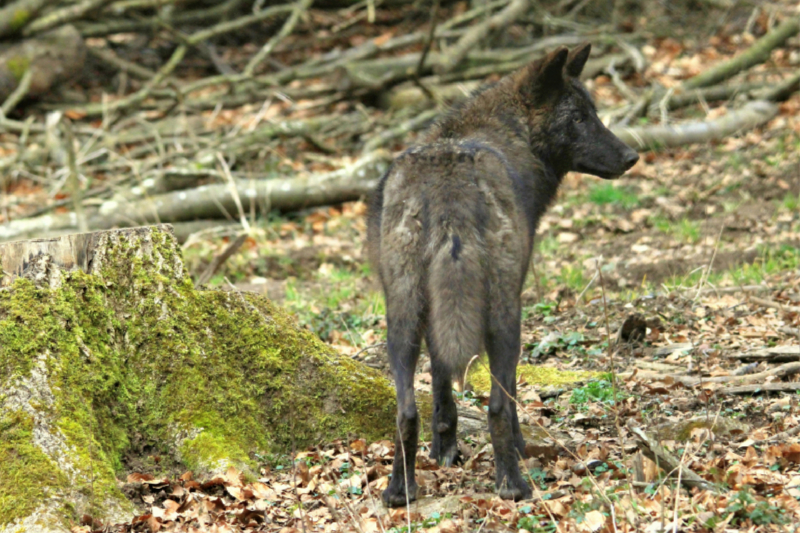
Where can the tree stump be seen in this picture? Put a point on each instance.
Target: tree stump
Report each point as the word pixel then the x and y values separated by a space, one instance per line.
pixel 112 362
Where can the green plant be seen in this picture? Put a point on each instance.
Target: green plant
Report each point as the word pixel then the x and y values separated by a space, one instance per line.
pixel 610 193
pixel 745 506
pixel 572 277
pixel 537 524
pixel 537 475
pixel 569 341
pixel 601 391
pixel 688 231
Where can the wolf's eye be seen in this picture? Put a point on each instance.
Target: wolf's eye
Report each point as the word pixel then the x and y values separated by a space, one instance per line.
pixel 578 120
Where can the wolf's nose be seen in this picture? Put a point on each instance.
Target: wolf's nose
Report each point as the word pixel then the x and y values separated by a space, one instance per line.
pixel 630 159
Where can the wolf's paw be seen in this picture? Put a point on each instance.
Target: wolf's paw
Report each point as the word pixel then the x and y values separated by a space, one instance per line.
pixel 515 491
pixel 395 493
pixel 448 455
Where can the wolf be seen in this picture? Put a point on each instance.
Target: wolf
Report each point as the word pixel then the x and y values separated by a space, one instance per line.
pixel 450 232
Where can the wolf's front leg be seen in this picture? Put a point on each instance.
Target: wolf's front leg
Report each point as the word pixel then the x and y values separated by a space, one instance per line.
pixel 503 347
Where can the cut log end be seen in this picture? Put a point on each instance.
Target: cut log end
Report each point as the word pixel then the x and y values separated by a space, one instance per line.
pixel 44 260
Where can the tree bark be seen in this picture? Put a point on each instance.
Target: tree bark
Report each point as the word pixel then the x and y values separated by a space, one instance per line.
pixel 108 353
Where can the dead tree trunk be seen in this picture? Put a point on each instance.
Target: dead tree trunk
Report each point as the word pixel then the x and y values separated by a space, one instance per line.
pixel 108 352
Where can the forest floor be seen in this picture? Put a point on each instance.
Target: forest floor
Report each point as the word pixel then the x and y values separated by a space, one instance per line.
pixel 676 287
pixel 702 244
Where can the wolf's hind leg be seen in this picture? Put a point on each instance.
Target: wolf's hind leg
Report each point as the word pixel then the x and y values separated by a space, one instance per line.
pixel 503 347
pixel 445 416
pixel 404 321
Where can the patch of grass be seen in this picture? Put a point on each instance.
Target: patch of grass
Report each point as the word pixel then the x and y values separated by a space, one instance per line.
pixel 688 230
pixel 661 223
pixel 791 202
pixel 547 245
pixel 683 230
pixel 735 161
pixel 609 193
pixel 772 261
pixel 572 277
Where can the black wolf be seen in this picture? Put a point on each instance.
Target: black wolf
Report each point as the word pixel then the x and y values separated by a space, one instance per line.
pixel 450 231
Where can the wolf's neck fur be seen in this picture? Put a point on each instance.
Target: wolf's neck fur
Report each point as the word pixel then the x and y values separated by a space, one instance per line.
pixel 498 117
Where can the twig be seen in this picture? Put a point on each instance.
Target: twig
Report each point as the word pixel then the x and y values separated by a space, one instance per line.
pixel 479 32
pixel 287 28
pixel 707 273
pixel 19 93
pixel 74 178
pixel 385 137
pixel 106 55
pixel 727 290
pixel 773 305
pixel 780 436
pixel 234 192
pixel 64 15
pixel 219 260
pixel 666 461
pixel 367 348
pixel 426 48
pixel 784 90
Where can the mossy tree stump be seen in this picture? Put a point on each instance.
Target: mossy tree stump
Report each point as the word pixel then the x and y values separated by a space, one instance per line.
pixel 107 350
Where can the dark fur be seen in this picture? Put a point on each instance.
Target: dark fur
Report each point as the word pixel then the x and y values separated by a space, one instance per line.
pixel 451 230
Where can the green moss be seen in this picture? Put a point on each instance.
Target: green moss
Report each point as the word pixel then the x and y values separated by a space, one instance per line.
pixel 19 19
pixel 18 66
pixel 481 381
pixel 208 376
pixel 27 475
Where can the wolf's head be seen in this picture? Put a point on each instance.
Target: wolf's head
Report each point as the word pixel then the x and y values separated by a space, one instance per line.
pixel 565 128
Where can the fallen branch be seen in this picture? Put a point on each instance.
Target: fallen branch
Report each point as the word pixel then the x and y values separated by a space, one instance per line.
pixel 777 354
pixel 691 381
pixel 757 53
pixel 215 201
pixel 761 388
pixel 667 462
pixel 790 331
pixel 750 116
pixel 773 305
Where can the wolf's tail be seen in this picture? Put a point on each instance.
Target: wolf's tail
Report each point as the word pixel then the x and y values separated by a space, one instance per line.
pixel 457 298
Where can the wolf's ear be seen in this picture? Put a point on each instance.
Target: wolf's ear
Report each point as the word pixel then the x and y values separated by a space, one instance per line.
pixel 577 60
pixel 543 78
pixel 551 72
